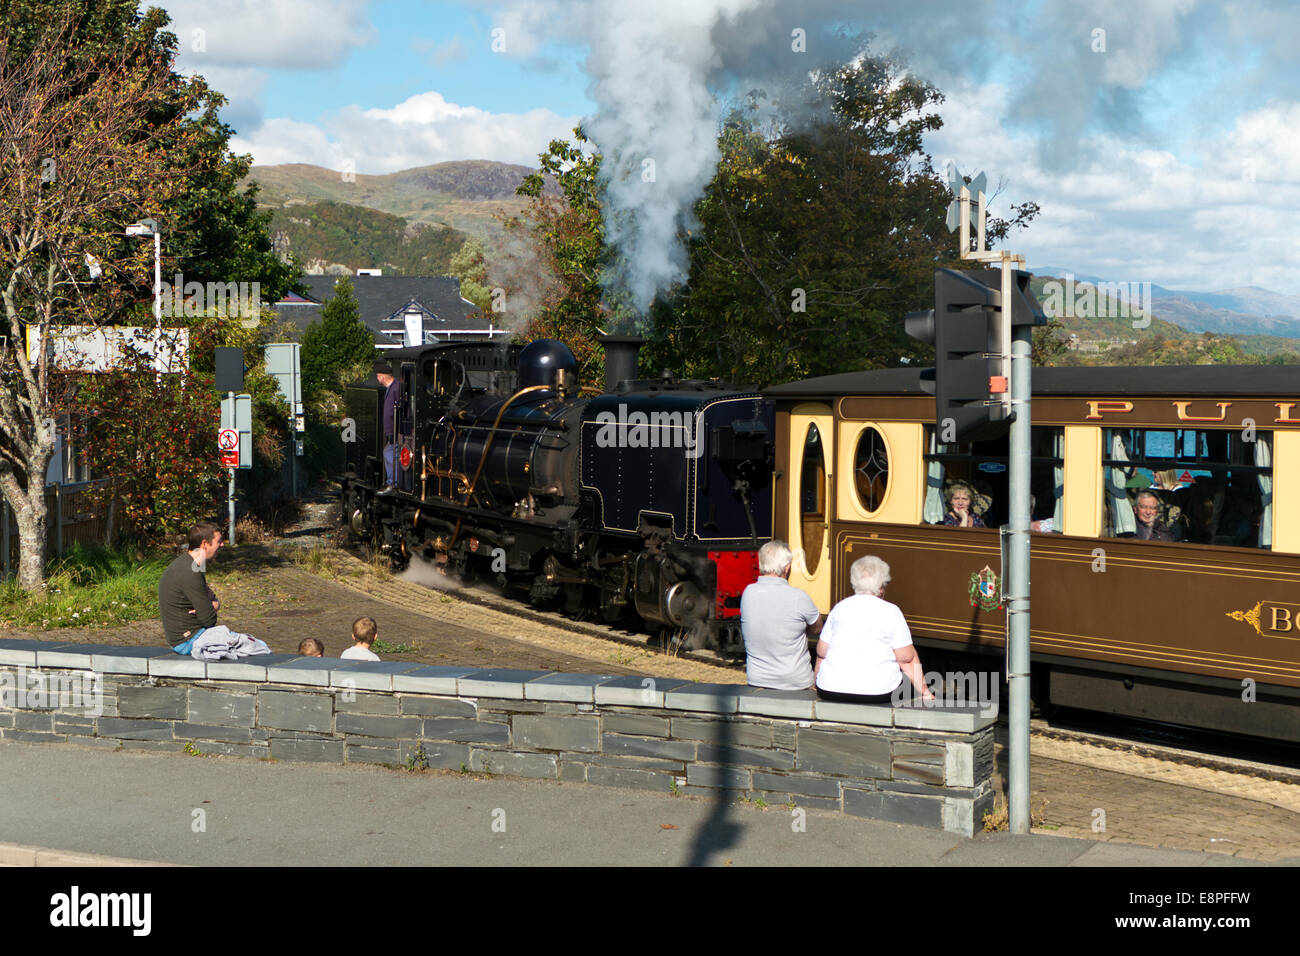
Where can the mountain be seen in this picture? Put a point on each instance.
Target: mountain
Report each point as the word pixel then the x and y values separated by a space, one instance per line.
pixel 467 195
pixel 1248 310
pixel 337 238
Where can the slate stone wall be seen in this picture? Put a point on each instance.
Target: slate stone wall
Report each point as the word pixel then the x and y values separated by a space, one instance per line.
pixel 930 767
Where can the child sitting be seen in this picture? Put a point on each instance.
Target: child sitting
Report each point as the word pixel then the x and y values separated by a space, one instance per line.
pixel 310 647
pixel 364 632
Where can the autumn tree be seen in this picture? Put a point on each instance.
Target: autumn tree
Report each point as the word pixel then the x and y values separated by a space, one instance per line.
pixel 85 155
pixel 567 233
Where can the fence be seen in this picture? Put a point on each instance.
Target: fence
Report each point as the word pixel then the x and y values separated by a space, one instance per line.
pixel 69 519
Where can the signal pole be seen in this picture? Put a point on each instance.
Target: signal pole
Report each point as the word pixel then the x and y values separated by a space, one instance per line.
pixel 1016 365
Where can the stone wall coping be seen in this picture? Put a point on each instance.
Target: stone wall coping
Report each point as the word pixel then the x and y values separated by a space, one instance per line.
pixel 660 693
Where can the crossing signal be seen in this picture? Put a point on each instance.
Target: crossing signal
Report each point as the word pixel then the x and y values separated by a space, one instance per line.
pixel 968 381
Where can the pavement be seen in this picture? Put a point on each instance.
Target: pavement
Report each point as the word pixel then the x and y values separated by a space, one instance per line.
pixel 223 811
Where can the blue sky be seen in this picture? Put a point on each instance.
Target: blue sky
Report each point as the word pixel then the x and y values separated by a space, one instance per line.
pixel 1161 137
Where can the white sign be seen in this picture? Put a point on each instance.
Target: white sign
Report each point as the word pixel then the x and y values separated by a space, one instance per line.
pixel 228 439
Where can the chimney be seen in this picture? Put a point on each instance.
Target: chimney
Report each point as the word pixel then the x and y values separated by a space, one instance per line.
pixel 620 358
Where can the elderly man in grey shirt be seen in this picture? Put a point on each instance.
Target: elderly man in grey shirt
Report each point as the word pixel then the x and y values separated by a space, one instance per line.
pixel 777 620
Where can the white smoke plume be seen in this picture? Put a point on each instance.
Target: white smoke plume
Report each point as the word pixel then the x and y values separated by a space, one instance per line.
pixel 658 71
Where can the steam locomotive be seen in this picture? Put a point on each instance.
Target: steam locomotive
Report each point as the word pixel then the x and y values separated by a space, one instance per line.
pixel 649 500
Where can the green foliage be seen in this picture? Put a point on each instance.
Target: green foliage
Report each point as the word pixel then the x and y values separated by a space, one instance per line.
pixel 820 237
pixel 384 647
pixel 469 265
pixel 212 231
pixel 335 233
pixel 568 235
pixel 152 437
pixel 336 344
pixel 86 588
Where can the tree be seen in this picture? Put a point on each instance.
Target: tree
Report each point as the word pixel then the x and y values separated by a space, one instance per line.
pixel 820 237
pixel 212 230
pixel 567 234
pixel 469 265
pixel 85 154
pixel 336 344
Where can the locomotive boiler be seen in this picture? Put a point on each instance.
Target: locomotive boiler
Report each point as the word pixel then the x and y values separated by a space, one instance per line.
pixel 649 500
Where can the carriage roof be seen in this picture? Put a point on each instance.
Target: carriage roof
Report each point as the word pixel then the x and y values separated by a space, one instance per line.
pixel 1226 380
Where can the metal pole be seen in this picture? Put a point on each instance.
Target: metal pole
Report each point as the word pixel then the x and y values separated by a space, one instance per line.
pixel 157 305
pixel 1017 601
pixel 4 517
pixel 230 495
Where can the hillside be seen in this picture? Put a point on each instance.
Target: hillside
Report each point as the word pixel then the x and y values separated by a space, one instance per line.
pixel 467 196
pixel 331 237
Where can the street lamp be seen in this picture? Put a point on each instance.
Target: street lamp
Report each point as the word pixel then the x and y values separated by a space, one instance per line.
pixel 149 227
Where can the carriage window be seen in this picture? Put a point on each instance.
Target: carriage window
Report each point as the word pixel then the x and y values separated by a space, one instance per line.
pixel 1186 484
pixel 871 469
pixel 812 499
pixel 978 470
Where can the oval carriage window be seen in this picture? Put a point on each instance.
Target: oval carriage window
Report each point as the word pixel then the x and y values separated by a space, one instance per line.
pixel 812 499
pixel 871 469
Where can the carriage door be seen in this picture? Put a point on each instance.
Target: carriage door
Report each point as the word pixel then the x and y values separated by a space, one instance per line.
pixel 809 501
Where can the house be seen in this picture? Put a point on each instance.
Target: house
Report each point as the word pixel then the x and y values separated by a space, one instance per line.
pixel 399 310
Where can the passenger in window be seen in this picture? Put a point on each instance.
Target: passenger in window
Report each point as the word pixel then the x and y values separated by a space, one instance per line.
pixel 961 498
pixel 1149 525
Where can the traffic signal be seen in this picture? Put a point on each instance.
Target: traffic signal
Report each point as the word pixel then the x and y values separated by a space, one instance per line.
pixel 964 328
pixel 230 370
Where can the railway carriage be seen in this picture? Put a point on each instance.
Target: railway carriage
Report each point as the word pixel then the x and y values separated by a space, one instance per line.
pixel 1201 631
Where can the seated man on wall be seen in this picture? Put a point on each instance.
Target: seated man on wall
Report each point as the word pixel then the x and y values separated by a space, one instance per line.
pixel 189 607
pixel 776 620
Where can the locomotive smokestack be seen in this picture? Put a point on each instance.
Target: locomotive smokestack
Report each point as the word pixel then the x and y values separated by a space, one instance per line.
pixel 620 358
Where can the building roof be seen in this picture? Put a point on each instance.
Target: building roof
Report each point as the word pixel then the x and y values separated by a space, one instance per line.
pixel 384 302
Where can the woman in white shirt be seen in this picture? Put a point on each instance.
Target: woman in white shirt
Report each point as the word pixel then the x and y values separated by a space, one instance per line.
pixel 865 652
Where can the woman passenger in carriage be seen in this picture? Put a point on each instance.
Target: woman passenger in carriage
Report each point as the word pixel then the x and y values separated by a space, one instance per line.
pixel 961 499
pixel 865 652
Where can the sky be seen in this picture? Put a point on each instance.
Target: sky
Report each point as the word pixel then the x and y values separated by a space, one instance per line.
pixel 1160 137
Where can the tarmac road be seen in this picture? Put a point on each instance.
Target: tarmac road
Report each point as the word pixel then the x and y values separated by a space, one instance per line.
pixel 218 811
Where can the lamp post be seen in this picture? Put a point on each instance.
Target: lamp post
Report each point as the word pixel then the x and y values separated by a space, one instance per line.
pixel 149 227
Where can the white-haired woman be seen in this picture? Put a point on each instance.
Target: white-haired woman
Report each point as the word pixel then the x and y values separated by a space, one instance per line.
pixel 865 652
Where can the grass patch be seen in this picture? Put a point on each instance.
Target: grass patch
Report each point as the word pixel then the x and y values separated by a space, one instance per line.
pixel 383 647
pixel 86 588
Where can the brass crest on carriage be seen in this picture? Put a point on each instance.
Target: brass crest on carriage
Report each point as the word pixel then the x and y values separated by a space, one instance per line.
pixel 984 590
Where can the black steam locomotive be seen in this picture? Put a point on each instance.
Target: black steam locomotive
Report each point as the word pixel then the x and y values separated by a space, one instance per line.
pixel 650 498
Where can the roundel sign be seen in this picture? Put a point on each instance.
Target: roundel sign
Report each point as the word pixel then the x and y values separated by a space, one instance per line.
pixel 405 457
pixel 228 443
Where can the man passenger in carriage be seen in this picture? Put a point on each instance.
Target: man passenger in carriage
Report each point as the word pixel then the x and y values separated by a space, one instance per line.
pixel 1149 526
pixel 776 620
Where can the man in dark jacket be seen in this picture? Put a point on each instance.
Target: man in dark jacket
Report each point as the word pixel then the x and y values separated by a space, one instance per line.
pixel 384 372
pixel 187 604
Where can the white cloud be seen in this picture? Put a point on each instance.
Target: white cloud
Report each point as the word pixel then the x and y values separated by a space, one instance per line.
pixel 419 131
pixel 304 34
pixel 1216 218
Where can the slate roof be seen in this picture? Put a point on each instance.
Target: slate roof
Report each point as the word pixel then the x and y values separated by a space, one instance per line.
pixel 384 301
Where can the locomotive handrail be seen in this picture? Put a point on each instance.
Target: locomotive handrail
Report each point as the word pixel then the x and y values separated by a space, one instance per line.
pixel 487 446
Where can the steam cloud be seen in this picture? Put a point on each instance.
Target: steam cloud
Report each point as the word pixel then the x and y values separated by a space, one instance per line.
pixel 657 71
